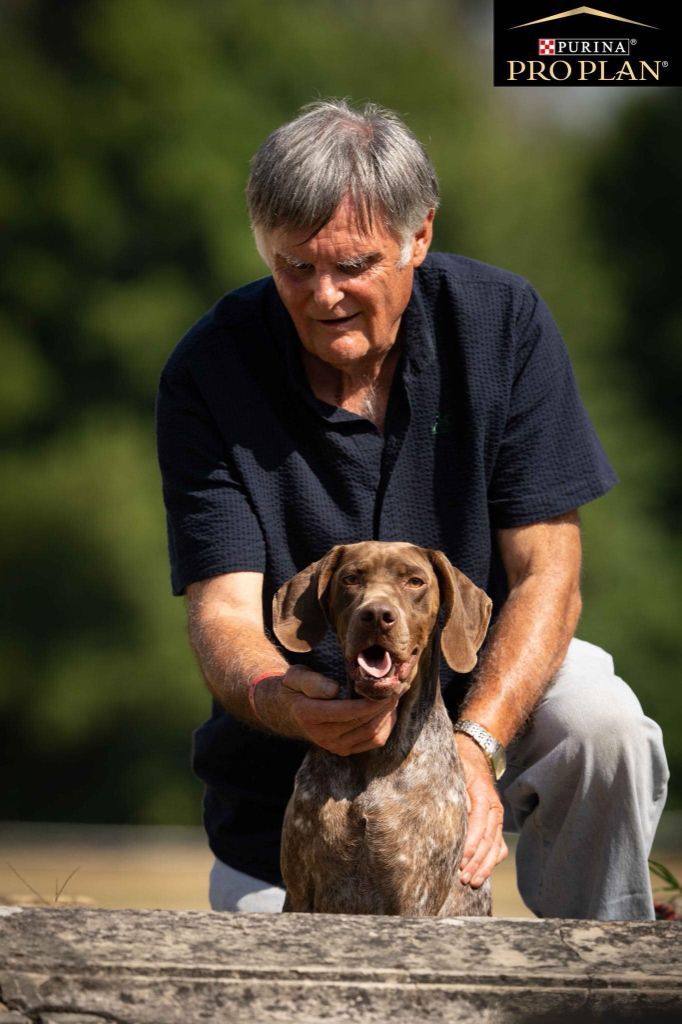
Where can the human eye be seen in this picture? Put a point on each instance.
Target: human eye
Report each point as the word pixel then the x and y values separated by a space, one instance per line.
pixel 301 269
pixel 290 265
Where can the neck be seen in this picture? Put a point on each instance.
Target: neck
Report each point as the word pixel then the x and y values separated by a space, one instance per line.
pixel 361 387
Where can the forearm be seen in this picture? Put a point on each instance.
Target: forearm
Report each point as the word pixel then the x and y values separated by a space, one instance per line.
pixel 527 646
pixel 231 651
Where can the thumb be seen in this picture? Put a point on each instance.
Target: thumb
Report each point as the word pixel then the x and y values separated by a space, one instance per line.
pixel 309 683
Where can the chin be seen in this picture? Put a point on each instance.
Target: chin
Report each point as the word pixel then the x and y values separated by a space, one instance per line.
pixel 342 350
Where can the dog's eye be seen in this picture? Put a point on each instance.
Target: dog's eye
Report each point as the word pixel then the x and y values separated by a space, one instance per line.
pixel 415 581
pixel 351 579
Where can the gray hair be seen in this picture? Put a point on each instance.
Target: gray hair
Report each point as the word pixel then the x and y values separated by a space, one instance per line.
pixel 304 169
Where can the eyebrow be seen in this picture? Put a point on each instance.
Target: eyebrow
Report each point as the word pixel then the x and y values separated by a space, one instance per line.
pixel 290 261
pixel 350 263
pixel 361 260
pixel 409 568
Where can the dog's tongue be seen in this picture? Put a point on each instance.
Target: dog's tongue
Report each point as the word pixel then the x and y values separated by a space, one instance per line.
pixel 375 661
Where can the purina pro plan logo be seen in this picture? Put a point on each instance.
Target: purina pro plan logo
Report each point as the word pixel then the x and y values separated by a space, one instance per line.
pixel 624 43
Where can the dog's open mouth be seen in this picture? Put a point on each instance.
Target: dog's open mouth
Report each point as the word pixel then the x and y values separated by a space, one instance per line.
pixel 375 661
pixel 376 672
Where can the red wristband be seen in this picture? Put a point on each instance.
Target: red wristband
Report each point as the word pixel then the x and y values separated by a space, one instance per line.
pixel 251 689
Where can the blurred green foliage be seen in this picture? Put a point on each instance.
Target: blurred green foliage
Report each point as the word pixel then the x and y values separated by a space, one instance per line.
pixel 127 131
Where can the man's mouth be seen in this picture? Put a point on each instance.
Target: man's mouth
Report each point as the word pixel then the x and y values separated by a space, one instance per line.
pixel 337 321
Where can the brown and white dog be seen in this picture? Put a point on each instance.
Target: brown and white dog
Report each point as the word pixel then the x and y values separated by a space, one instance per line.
pixel 382 832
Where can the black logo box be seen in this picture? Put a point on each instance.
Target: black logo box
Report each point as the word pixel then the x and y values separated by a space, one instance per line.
pixel 657 44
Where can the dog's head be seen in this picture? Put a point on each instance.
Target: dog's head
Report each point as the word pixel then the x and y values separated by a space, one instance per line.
pixel 383 601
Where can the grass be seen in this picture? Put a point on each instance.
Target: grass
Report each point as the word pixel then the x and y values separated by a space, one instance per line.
pixel 58 889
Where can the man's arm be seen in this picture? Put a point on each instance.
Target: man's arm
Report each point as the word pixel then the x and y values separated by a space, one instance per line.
pixel 228 637
pixel 528 645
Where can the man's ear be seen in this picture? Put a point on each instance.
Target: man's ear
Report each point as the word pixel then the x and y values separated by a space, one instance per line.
pixel 467 614
pixel 422 240
pixel 298 616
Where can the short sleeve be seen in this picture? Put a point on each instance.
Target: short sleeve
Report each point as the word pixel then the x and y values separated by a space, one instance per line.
pixel 212 527
pixel 550 460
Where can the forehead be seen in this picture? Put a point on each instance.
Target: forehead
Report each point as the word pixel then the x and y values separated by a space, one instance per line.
pixel 370 556
pixel 343 231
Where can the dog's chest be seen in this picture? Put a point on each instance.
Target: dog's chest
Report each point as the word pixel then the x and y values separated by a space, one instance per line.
pixel 373 842
pixel 409 811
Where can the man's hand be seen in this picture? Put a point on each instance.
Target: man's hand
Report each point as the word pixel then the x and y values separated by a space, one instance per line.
pixel 484 846
pixel 306 699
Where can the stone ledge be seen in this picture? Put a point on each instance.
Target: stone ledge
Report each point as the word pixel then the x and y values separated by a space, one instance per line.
pixel 78 966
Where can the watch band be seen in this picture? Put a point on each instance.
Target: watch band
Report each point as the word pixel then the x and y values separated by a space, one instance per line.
pixel 491 747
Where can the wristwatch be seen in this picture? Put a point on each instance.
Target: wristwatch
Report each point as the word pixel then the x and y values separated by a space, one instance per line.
pixel 491 747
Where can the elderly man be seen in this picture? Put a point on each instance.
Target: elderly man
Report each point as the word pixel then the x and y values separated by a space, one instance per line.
pixel 367 390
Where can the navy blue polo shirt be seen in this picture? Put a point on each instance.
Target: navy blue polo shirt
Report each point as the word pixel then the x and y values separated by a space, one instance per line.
pixel 484 430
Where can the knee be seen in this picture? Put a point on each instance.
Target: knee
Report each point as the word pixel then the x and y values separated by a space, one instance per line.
pixel 598 715
pixel 600 722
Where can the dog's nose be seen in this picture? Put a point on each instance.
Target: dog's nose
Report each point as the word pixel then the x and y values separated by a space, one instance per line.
pixel 378 614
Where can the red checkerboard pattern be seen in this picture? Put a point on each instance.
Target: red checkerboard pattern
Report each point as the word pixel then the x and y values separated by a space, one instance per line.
pixel 545 46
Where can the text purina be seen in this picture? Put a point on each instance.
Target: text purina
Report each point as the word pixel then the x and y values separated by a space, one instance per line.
pixel 592 47
pixel 582 70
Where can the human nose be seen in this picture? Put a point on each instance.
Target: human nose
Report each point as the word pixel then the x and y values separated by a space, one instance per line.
pixel 327 293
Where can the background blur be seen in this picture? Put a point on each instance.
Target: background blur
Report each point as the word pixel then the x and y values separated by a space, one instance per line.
pixel 127 131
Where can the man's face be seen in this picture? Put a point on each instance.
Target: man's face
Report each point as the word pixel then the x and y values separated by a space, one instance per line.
pixel 345 288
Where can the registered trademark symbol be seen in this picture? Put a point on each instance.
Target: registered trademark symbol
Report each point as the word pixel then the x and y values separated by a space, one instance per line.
pixel 633 42
pixel 664 63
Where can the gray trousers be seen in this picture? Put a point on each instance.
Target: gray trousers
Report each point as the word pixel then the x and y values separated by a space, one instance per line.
pixel 585 786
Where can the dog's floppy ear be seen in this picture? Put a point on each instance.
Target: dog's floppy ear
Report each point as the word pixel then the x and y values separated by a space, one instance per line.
pixel 467 614
pixel 298 617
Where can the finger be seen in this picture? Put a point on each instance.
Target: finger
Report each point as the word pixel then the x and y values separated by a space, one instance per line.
pixel 379 731
pixel 366 736
pixel 380 711
pixel 343 737
pixel 498 851
pixel 478 822
pixel 310 684
pixel 340 716
pixel 487 847
pixel 485 823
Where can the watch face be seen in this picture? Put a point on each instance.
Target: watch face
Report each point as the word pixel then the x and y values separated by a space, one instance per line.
pixel 499 762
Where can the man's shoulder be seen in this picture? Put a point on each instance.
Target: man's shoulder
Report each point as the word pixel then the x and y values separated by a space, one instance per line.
pixel 239 316
pixel 478 296
pixel 450 269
